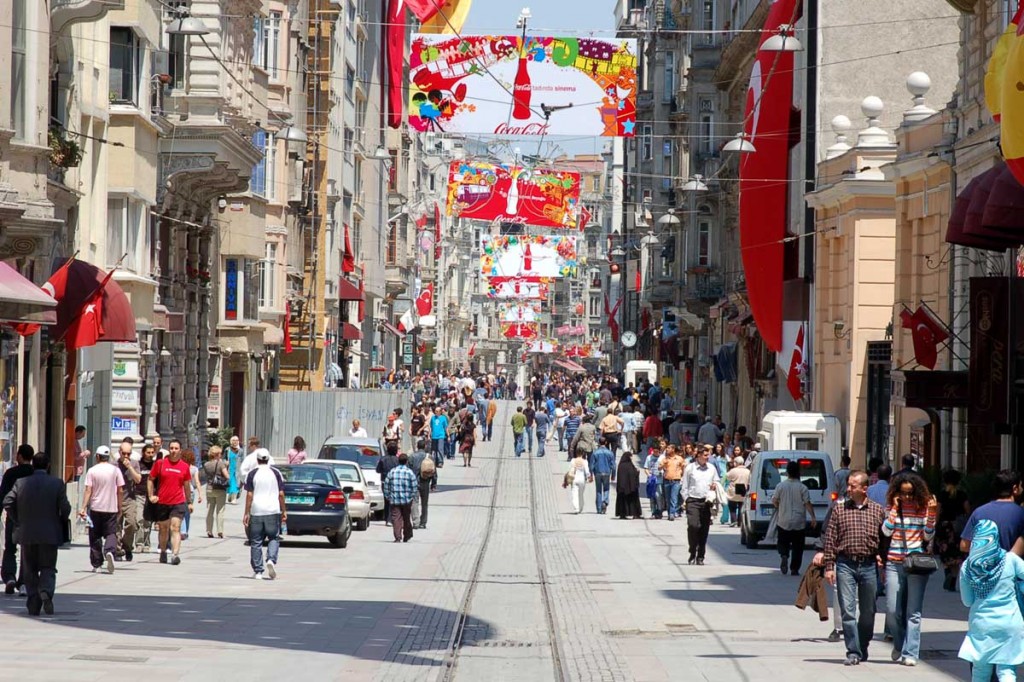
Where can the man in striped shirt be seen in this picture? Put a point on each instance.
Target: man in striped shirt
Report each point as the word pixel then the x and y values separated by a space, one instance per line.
pixel 851 555
pixel 572 425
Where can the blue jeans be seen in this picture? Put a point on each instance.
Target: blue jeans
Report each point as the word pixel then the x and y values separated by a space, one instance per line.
pixel 904 598
pixel 1004 673
pixel 260 528
pixel 671 497
pixel 857 589
pixel 518 444
pixel 438 447
pixel 602 483
pixel 529 440
pixel 488 430
pixel 541 437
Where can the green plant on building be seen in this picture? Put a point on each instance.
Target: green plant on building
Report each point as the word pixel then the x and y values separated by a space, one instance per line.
pixel 64 153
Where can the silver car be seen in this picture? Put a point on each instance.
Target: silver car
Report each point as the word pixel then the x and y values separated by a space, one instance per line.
pixel 357 492
pixel 366 452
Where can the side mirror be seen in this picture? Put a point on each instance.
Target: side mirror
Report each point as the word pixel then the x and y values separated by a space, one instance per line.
pixel 347 490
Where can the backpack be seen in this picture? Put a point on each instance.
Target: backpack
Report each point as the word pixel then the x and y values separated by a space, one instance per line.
pixel 428 468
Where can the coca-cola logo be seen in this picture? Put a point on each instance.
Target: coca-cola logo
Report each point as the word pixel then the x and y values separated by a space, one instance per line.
pixel 528 129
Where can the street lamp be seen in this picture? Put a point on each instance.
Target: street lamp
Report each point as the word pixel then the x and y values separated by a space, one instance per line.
pixel 293 134
pixel 184 25
pixel 739 144
pixel 783 41
pixel 695 184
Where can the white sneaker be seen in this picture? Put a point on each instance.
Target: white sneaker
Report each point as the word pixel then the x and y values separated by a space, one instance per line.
pixel 258 576
pixel 110 562
pixel 271 570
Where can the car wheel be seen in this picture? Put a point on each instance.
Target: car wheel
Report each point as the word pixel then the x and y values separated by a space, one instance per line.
pixel 750 540
pixel 362 524
pixel 743 533
pixel 340 538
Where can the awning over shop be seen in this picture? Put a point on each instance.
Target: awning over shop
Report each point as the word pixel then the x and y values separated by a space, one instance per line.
pixel 392 329
pixel 350 332
pixel 347 291
pixel 989 212
pixel 571 366
pixel 23 301
pixel 84 279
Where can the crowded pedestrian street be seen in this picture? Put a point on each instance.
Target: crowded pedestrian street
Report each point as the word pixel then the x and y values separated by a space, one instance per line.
pixel 506 583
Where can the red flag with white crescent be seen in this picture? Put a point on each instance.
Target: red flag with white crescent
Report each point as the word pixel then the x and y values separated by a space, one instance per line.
pixel 927 333
pixel 797 366
pixel 425 301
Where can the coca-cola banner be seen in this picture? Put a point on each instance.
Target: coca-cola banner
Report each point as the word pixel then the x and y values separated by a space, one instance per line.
pixel 486 191
pixel 521 255
pixel 465 84
pixel 518 287
pixel 520 311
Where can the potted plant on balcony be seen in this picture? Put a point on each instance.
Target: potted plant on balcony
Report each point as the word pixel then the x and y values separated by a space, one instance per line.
pixel 64 153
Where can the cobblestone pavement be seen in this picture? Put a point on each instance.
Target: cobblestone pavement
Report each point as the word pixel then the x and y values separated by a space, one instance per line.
pixel 624 604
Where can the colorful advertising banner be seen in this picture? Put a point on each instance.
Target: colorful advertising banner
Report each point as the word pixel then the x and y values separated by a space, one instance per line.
pixel 485 191
pixel 515 287
pixel 520 330
pixel 519 311
pixel 522 255
pixel 466 84
pixel 543 346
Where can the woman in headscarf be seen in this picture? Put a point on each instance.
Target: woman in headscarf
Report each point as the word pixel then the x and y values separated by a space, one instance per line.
pixel 467 439
pixel 989 581
pixel 627 489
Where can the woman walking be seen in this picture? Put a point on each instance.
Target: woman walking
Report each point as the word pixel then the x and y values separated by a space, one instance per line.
pixel 217 475
pixel 989 586
pixel 911 525
pixel 576 478
pixel 737 482
pixel 297 455
pixel 234 457
pixel 467 439
pixel 627 489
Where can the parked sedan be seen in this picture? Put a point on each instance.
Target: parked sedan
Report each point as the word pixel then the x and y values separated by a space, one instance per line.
pixel 365 452
pixel 316 503
pixel 353 484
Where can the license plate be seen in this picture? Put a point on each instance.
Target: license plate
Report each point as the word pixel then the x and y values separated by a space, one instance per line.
pixel 299 499
pixel 767 511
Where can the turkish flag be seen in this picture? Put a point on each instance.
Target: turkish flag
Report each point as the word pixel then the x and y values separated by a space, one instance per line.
pixel 611 312
pixel 56 287
pixel 797 367
pixel 287 328
pixel 585 216
pixel 425 301
pixel 472 349
pixel 423 9
pixel 87 328
pixel 348 259
pixel 927 333
pixel 394 58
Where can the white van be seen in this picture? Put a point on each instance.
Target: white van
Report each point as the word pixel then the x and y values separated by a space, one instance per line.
pixel 767 471
pixel 639 371
pixel 788 430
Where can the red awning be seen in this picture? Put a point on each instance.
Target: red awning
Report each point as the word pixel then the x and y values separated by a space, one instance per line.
pixel 987 214
pixel 347 291
pixel 84 280
pixel 571 366
pixel 350 332
pixel 388 327
pixel 23 301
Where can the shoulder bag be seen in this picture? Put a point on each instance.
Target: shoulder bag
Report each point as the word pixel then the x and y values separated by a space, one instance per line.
pixel 918 563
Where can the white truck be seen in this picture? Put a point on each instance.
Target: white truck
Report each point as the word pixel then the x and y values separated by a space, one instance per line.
pixel 787 430
pixel 638 371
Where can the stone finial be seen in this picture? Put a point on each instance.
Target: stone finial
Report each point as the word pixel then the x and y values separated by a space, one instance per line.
pixel 918 84
pixel 872 136
pixel 840 126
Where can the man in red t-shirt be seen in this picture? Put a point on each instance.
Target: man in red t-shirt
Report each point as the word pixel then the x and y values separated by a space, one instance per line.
pixel 169 489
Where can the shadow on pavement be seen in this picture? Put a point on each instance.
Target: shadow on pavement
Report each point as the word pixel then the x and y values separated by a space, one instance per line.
pixel 373 630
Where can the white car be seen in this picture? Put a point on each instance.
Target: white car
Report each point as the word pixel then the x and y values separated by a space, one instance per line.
pixel 353 483
pixel 366 452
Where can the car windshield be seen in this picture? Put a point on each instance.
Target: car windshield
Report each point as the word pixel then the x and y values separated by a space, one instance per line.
pixel 346 474
pixel 366 456
pixel 812 473
pixel 322 475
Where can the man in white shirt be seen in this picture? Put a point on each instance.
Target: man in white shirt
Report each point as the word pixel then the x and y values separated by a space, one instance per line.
pixel 251 460
pixel 264 513
pixel 102 506
pixel 698 486
pixel 357 430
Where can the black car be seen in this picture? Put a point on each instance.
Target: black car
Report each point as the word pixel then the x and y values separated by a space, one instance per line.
pixel 316 503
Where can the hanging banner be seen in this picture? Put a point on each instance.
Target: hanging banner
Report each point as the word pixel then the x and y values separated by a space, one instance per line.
pixel 522 255
pixel 516 287
pixel 486 191
pixel 569 330
pixel 519 311
pixel 465 85
pixel 520 330
pixel 544 346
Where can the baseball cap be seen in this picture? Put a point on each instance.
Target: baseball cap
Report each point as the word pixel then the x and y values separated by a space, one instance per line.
pixel 103 451
pixel 263 455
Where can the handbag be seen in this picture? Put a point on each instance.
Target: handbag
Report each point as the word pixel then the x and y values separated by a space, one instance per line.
pixel 219 481
pixel 918 563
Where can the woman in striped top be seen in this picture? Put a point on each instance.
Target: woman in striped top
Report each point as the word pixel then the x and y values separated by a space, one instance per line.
pixel 910 522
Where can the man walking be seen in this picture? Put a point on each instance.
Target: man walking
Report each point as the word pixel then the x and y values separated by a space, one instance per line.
pixel 438 436
pixel 672 467
pixel 102 507
pixel 426 480
pixel 133 500
pixel 842 477
pixel 572 425
pixel 791 500
pixel 9 568
pixel 137 508
pixel 698 489
pixel 169 488
pixel 39 508
pixel 518 430
pixel 851 553
pixel 530 414
pixel 265 513
pixel 388 462
pixel 602 468
pixel 399 487
pixel 542 422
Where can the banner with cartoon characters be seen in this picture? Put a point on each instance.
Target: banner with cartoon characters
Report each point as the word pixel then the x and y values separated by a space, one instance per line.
pixel 486 191
pixel 518 287
pixel 522 255
pixel 520 311
pixel 465 84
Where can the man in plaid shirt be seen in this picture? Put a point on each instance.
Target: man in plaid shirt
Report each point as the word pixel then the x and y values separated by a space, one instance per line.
pixel 850 555
pixel 399 488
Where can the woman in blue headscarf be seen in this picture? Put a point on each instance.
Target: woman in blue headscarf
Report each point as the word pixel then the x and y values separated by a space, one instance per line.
pixel 989 582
